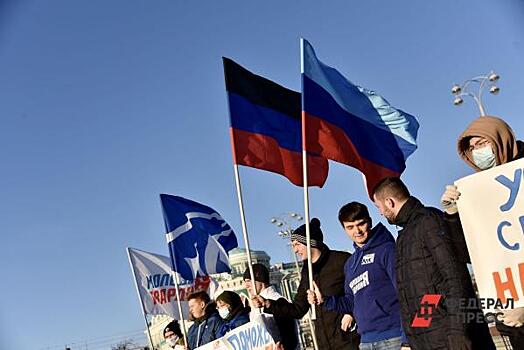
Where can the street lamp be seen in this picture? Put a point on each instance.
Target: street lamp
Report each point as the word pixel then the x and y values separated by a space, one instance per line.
pixel 281 221
pixel 465 89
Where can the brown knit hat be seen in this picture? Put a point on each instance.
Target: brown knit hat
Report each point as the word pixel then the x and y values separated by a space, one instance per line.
pixel 498 132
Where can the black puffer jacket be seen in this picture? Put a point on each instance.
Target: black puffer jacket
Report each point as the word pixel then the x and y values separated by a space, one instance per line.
pixel 426 264
pixel 328 273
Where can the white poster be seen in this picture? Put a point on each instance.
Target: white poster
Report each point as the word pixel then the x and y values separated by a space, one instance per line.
pixel 251 336
pixel 491 207
pixel 156 287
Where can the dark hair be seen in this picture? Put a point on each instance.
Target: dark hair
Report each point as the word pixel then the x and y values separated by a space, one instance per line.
pixel 352 212
pixel 200 295
pixel 391 187
pixel 230 298
pixel 174 327
pixel 260 272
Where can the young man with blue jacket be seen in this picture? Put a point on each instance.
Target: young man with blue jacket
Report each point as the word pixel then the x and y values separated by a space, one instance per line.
pixel 370 282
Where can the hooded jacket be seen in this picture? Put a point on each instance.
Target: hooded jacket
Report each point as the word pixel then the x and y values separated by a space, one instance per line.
pixel 206 328
pixel 370 288
pixel 506 149
pixel 328 273
pixel 505 146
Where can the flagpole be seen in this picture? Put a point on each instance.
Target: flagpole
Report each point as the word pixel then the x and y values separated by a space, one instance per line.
pixel 182 321
pixel 174 274
pixel 244 226
pixel 242 214
pixel 306 188
pixel 140 298
pixel 312 315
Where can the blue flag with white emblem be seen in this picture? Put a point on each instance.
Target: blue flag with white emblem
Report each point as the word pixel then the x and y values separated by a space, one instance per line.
pixel 198 238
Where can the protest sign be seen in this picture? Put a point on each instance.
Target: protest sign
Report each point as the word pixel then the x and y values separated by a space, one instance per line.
pixel 491 207
pixel 251 336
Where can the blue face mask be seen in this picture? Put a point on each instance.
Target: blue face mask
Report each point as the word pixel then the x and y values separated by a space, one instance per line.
pixel 223 312
pixel 484 158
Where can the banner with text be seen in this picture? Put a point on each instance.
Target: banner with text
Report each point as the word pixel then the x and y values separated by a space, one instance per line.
pixel 251 336
pixel 156 286
pixel 491 208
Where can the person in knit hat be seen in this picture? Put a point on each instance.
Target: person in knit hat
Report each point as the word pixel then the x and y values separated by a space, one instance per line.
pixel 331 327
pixel 487 142
pixel 232 311
pixel 173 335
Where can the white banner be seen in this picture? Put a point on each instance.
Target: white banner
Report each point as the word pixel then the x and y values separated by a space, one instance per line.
pixel 491 207
pixel 251 336
pixel 156 287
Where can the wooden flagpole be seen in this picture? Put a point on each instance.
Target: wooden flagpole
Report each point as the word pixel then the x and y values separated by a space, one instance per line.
pixel 140 298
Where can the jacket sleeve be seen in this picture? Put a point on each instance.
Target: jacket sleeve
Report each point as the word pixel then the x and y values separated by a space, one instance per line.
pixel 456 234
pixel 344 303
pixel 433 231
pixel 295 309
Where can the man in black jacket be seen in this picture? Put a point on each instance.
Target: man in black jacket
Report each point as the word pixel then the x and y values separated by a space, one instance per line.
pixel 328 273
pixel 426 265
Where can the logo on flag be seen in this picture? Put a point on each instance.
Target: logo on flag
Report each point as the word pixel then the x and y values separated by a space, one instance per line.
pixel 198 238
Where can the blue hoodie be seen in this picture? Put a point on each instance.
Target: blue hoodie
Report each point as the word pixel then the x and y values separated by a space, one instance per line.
pixel 370 289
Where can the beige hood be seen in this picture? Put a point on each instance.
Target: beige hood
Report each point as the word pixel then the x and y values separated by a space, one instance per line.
pixel 506 147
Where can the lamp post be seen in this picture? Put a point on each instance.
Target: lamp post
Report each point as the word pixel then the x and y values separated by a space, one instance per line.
pixel 281 222
pixel 466 89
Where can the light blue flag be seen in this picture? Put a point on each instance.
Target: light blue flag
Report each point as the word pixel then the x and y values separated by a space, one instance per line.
pixel 198 238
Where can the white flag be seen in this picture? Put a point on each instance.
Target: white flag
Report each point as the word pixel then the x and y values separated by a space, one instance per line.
pixel 155 284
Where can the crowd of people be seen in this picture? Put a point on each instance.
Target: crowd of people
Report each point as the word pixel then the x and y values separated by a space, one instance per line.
pixel 368 299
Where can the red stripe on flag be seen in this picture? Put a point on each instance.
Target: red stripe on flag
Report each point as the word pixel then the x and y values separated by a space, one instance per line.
pixel 263 152
pixel 331 142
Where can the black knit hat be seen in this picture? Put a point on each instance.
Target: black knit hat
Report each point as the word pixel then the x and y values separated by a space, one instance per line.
pixel 261 273
pixel 174 327
pixel 317 237
pixel 230 298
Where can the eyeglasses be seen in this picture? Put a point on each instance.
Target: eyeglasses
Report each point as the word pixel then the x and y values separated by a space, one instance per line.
pixel 479 144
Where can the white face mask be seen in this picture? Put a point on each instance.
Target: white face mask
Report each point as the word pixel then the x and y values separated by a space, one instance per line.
pixel 484 157
pixel 172 341
pixel 223 312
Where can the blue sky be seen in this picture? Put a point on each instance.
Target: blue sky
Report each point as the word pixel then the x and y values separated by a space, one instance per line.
pixel 106 104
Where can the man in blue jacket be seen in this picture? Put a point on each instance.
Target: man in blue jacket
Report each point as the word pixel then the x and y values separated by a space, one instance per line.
pixel 207 322
pixel 370 282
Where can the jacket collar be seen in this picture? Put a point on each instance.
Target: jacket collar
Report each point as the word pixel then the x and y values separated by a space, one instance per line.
pixel 407 211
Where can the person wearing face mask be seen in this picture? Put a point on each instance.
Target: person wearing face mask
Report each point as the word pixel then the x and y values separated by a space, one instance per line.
pixel 232 311
pixel 207 322
pixel 487 142
pixel 427 264
pixel 173 336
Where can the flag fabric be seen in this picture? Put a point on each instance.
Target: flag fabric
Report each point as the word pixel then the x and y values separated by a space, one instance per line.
pixel 154 281
pixel 353 125
pixel 266 130
pixel 198 238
